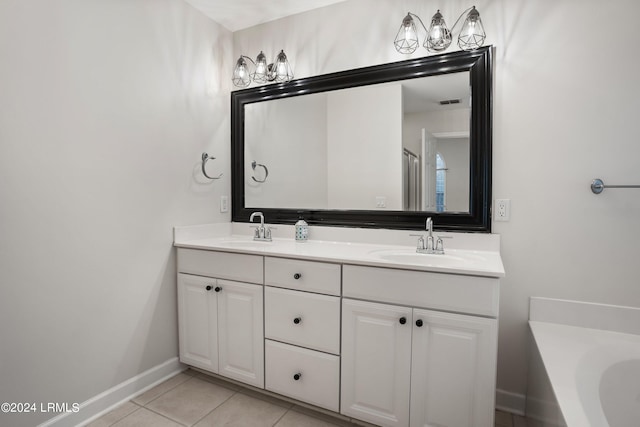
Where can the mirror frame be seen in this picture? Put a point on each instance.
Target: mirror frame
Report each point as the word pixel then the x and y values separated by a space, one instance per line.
pixel 479 63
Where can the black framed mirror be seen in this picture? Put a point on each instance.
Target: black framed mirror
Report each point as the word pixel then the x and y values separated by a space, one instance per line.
pixel 279 159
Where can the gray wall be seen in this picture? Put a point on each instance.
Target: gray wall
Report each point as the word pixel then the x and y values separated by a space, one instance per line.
pixel 106 107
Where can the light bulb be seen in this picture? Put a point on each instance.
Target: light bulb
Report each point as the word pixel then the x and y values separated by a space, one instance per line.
pixel 260 76
pixel 472 35
pixel 283 72
pixel 438 36
pixel 406 40
pixel 241 77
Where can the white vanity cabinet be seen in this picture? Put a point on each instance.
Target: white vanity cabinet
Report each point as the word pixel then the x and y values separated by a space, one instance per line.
pixel 221 321
pixel 302 330
pixel 407 366
pixel 383 344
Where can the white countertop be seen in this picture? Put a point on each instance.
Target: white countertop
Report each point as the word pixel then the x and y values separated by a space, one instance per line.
pixel 466 261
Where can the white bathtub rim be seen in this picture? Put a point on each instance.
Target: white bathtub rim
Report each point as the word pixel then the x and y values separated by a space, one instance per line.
pixel 565 350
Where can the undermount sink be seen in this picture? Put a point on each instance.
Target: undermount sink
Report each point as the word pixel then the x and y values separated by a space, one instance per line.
pixel 410 256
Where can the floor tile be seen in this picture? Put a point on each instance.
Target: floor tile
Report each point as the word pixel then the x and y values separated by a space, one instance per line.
pixel 503 419
pixel 115 415
pixel 190 401
pixel 297 419
pixel 160 389
pixel 242 411
pixel 145 418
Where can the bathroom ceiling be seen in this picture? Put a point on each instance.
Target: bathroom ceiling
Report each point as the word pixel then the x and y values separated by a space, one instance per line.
pixel 238 14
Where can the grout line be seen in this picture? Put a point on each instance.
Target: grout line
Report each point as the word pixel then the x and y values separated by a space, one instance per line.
pixel 166 417
pixel 167 391
pixel 279 419
pixel 221 403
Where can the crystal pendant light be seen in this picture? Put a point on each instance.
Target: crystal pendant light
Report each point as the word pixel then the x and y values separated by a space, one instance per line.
pixel 262 69
pixel 407 38
pixel 241 73
pixel 438 35
pixel 472 35
pixel 281 68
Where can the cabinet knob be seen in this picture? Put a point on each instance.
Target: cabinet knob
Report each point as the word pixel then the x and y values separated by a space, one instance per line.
pixel 297 376
pixel 209 287
pixel 419 323
pixel 403 320
pixel 218 289
pixel 297 320
pixel 297 276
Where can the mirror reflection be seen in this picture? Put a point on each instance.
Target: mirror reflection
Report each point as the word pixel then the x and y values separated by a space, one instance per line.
pixel 400 146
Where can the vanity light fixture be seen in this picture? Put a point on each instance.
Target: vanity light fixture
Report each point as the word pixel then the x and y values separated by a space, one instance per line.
pixel 472 35
pixel 438 37
pixel 407 40
pixel 242 73
pixel 260 71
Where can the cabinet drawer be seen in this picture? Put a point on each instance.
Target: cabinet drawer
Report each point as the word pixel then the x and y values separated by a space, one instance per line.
pixel 448 292
pixel 319 374
pixel 222 265
pixel 302 318
pixel 308 276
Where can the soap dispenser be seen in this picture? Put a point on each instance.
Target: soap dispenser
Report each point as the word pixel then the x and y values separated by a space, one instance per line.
pixel 302 231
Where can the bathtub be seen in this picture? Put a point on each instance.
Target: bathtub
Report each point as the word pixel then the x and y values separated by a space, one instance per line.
pixel 585 364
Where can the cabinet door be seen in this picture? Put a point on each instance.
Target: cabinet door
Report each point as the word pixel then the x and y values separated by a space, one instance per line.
pixel 376 362
pixel 240 332
pixel 453 370
pixel 197 320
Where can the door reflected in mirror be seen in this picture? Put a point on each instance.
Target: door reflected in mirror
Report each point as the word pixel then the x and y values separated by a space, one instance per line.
pixel 399 146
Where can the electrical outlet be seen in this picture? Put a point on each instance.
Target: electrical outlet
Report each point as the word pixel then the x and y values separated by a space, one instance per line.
pixel 502 210
pixel 224 204
pixel 381 202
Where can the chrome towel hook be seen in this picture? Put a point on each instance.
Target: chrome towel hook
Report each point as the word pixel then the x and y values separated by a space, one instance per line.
pixel 254 164
pixel 206 157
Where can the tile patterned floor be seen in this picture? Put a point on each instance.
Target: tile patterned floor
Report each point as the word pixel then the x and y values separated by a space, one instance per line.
pixel 194 399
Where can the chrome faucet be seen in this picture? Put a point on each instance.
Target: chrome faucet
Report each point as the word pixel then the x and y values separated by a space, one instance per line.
pixel 263 232
pixel 427 244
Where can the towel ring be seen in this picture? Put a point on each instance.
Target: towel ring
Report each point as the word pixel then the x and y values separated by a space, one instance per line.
pixel 254 164
pixel 206 157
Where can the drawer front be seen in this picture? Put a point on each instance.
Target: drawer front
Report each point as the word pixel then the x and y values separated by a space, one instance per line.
pixel 449 292
pixel 307 276
pixel 318 382
pixel 222 265
pixel 302 318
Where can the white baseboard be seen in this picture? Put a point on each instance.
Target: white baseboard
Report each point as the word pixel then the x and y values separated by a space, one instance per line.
pixel 99 405
pixel 511 402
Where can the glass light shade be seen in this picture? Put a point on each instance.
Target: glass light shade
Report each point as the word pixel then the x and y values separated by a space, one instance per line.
pixel 407 38
pixel 472 35
pixel 241 73
pixel 260 76
pixel 438 35
pixel 281 68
